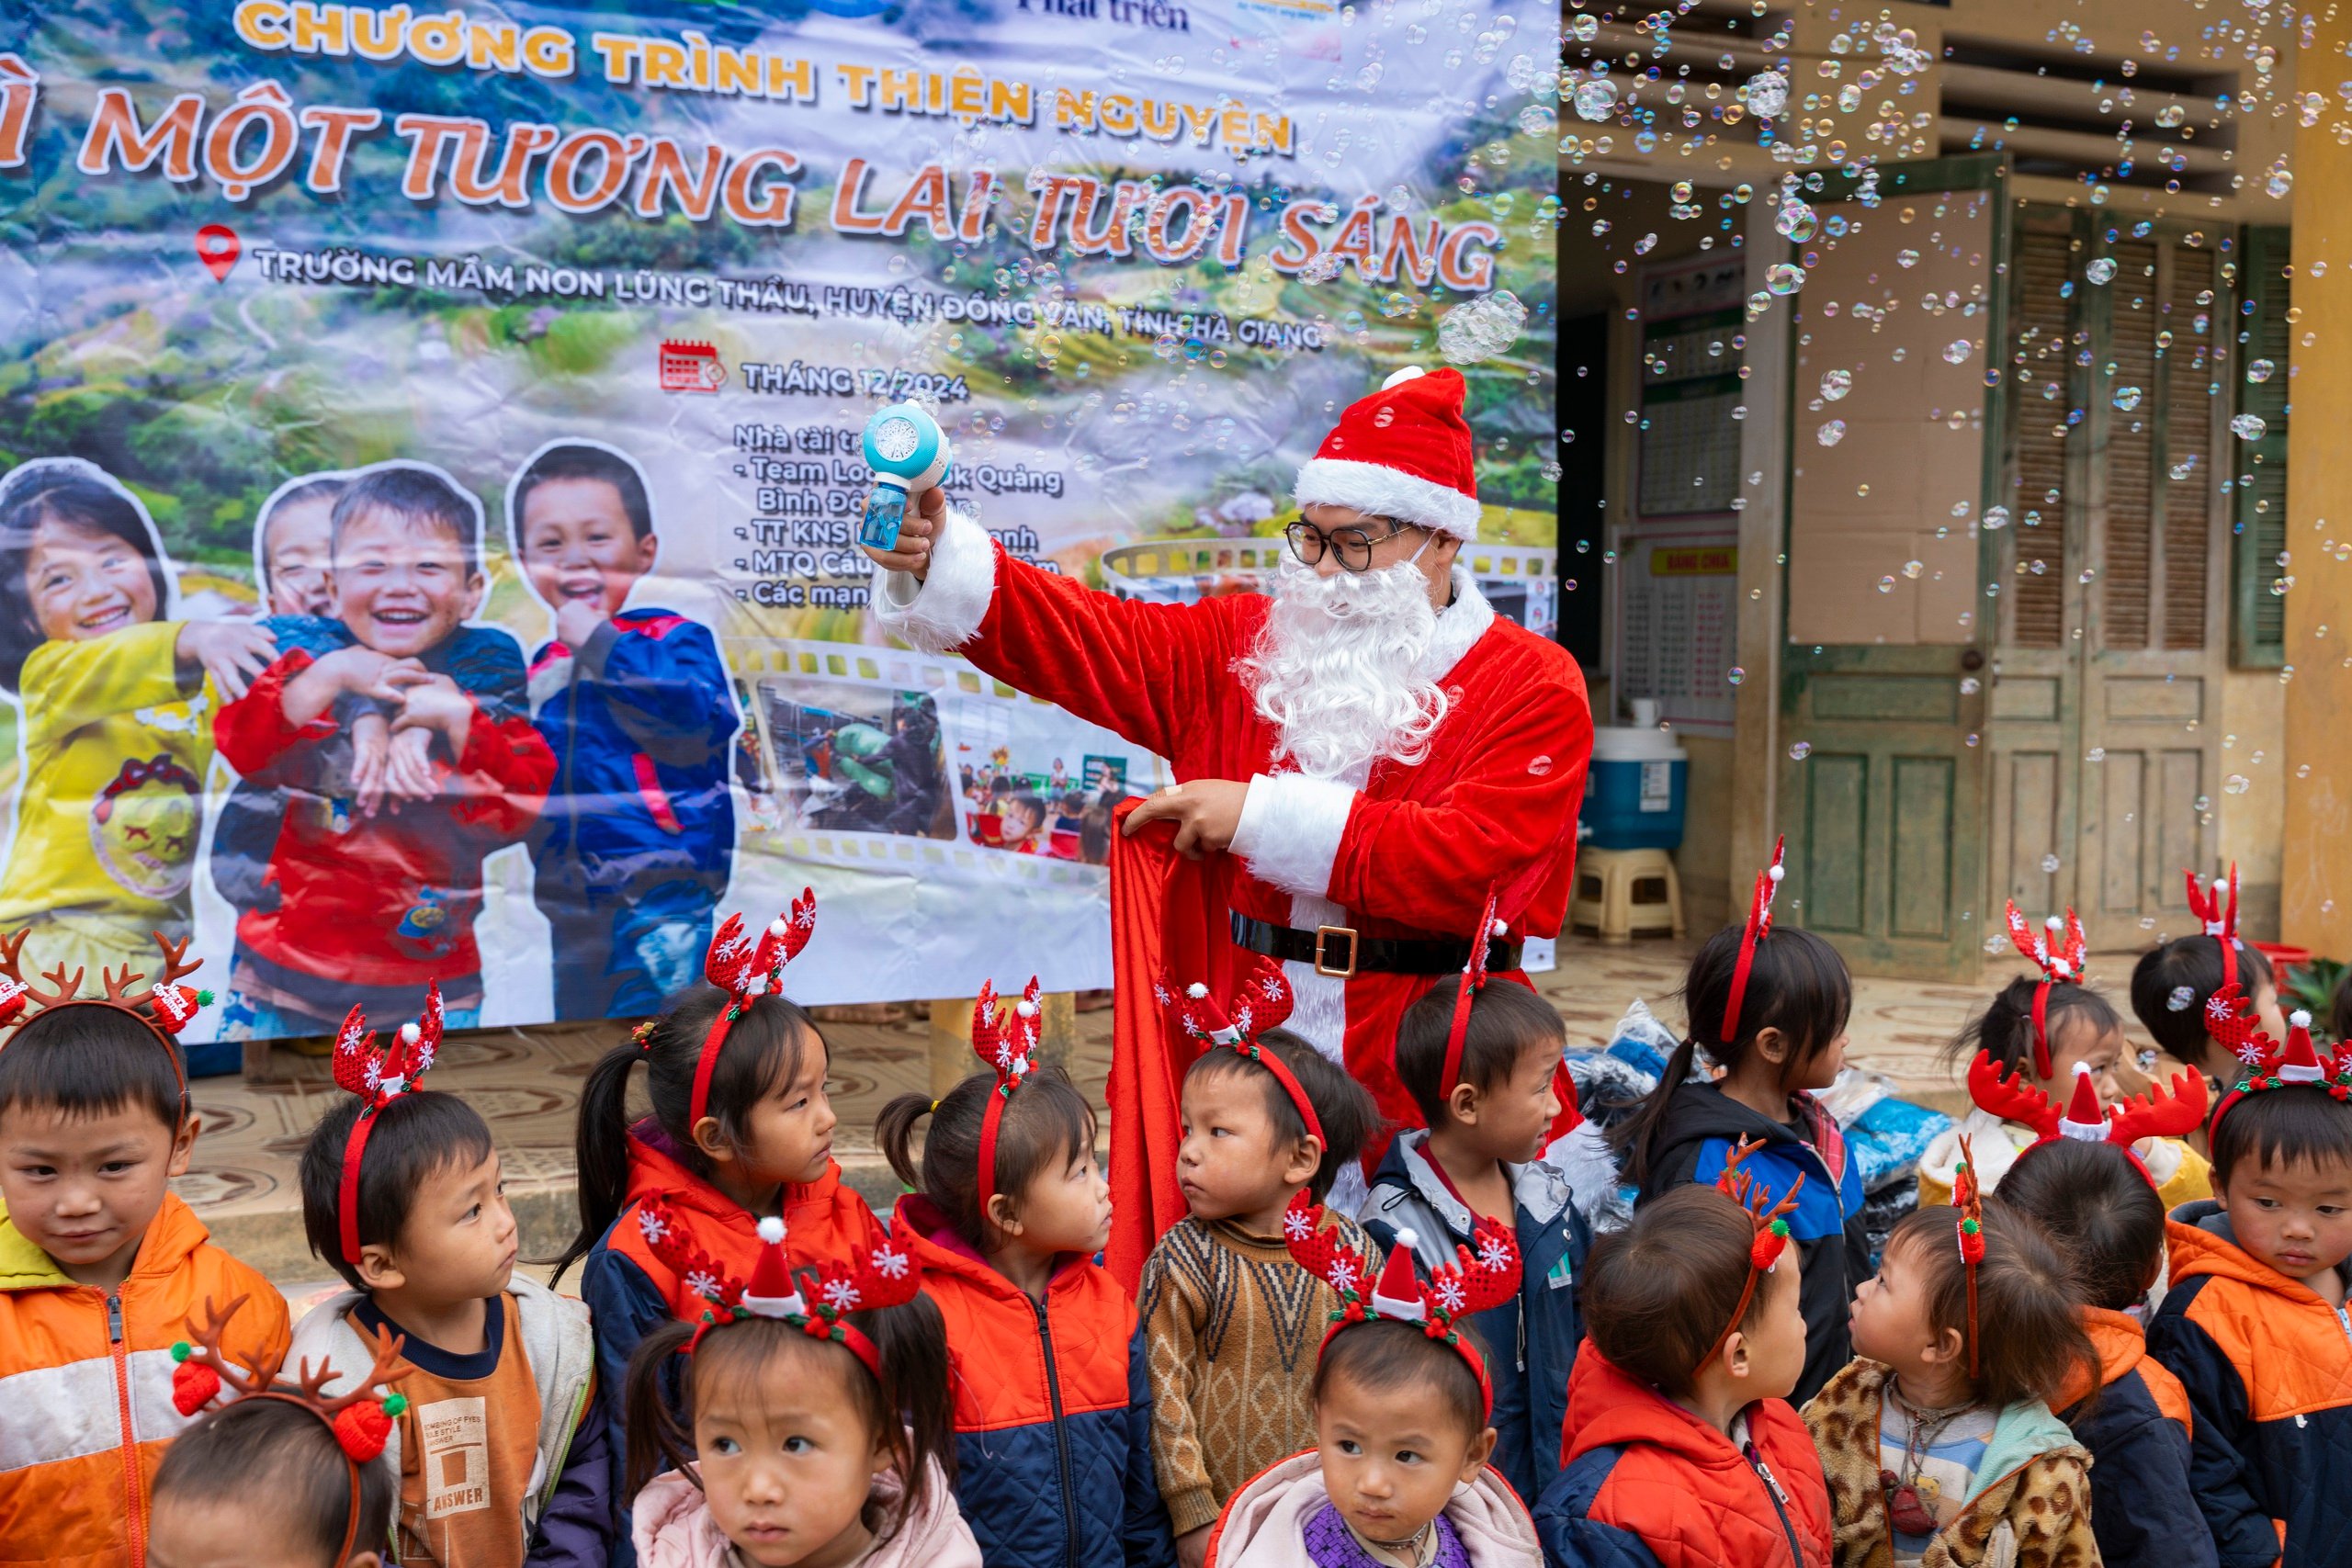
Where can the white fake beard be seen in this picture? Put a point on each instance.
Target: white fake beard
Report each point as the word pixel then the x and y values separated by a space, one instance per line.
pixel 1335 669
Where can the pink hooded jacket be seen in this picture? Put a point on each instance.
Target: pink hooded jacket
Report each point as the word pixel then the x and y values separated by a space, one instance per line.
pixel 1263 1523
pixel 672 1526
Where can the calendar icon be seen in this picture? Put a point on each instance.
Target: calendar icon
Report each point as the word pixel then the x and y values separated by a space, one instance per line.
pixel 691 367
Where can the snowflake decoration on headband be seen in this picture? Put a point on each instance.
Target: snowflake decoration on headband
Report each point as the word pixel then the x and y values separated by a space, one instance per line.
pixel 2268 1065
pixel 887 1276
pixel 2166 1113
pixel 2058 952
pixel 378 1076
pixel 746 971
pixel 165 1007
pixel 1771 1223
pixel 1006 1044
pixel 1260 1000
pixel 2219 916
pixel 1758 927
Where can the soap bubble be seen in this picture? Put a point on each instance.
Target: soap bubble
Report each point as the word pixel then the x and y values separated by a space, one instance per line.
pixel 1784 277
pixel 1907 258
pixel 1767 93
pixel 1796 220
pixel 1735 675
pixel 1799 751
pixel 1887 586
pixel 2281 181
pixel 1584 26
pixel 1831 432
pixel 1912 569
pixel 1996 517
pixel 2260 370
pixel 2050 865
pixel 1682 190
pixel 1956 351
pixel 2170 116
pixel 2100 270
pixel 1835 384
pixel 1481 328
pixel 2127 398
pixel 1596 98
pixel 2248 427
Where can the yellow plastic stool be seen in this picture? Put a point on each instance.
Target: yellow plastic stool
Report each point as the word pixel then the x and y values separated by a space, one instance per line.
pixel 1620 892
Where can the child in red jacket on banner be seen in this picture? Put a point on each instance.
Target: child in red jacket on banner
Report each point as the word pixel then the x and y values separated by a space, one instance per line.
pixel 1682 1449
pixel 740 1131
pixel 373 908
pixel 1005 1217
pixel 1404 1422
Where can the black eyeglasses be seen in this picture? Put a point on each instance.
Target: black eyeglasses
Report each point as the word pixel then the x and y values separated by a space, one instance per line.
pixel 1352 545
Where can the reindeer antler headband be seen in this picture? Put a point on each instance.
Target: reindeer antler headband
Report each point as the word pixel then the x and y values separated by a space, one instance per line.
pixel 1454 1291
pixel 1771 1223
pixel 746 973
pixel 2219 919
pixel 887 1276
pixel 2267 1065
pixel 1969 1199
pixel 2058 954
pixel 1007 1044
pixel 361 1417
pixel 1474 980
pixel 1758 927
pixel 378 1076
pixel 1260 1000
pixel 165 1008
pixel 2159 1113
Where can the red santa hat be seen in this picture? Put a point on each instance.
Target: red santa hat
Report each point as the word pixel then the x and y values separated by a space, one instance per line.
pixel 1402 452
pixel 772 1293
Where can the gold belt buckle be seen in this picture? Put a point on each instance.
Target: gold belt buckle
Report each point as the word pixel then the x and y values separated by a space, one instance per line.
pixel 1322 965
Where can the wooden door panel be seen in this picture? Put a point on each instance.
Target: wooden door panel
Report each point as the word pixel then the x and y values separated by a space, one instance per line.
pixel 1835 814
pixel 2028 828
pixel 1924 794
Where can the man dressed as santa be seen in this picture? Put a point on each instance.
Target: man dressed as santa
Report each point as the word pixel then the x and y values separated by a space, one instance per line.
pixel 1374 744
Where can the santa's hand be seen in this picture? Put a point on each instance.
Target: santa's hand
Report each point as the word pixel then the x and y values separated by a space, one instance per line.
pixel 1207 812
pixel 926 515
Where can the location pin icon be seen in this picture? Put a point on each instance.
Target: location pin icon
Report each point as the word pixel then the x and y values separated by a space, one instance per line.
pixel 217 248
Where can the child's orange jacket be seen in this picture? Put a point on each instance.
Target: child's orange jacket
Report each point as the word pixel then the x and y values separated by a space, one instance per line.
pixel 86 1385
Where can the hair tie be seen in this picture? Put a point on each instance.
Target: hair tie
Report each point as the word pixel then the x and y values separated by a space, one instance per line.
pixel 746 973
pixel 1771 1228
pixel 1758 927
pixel 934 1108
pixel 1262 1000
pixel 643 1035
pixel 2219 919
pixel 165 1008
pixel 378 1076
pixel 1008 1045
pixel 887 1276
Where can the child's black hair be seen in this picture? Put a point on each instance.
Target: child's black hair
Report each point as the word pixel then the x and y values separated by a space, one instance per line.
pixel 762 1053
pixel 2004 1028
pixel 419 495
pixel 2107 1221
pixel 1508 1021
pixel 2274 1127
pixel 1796 984
pixel 71 493
pixel 328 488
pixel 2171 985
pixel 2030 1341
pixel 908 1406
pixel 277 1463
pixel 1045 1124
pixel 1658 1295
pixel 415 1137
pixel 1344 1106
pixel 580 460
pixel 90 1061
pixel 1383 1356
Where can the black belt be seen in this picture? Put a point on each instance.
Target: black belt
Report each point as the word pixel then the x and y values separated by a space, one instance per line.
pixel 1338 952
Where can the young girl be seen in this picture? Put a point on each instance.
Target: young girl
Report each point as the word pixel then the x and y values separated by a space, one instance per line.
pixel 1404 1409
pixel 1053 1423
pixel 2172 984
pixel 2043 1034
pixel 1770 1006
pixel 2098 1205
pixel 741 1130
pixel 814 1428
pixel 1937 1441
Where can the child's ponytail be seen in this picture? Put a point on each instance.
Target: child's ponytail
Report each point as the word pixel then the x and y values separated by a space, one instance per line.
pixel 600 1148
pixel 653 1408
pixel 1046 1123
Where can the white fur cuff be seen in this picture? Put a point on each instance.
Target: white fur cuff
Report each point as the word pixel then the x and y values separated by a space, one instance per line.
pixel 1290 830
pixel 1383 492
pixel 943 611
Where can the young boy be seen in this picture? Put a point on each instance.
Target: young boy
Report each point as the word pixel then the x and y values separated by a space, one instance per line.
pixel 1478 1157
pixel 1228 1318
pixel 372 907
pixel 638 843
pixel 501 1458
pixel 2255 1325
pixel 101 1267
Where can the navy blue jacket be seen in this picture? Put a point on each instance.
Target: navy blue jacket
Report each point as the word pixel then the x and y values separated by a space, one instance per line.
pixel 2143 1506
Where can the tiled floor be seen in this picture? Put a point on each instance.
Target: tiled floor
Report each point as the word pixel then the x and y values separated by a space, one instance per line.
pixel 525 1082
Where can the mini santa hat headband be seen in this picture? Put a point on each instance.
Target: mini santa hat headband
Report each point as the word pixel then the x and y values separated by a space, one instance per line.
pixel 2267 1065
pixel 1758 927
pixel 2219 919
pixel 2159 1113
pixel 378 1075
pixel 1007 1043
pixel 361 1417
pixel 746 973
pixel 165 1008
pixel 1771 1223
pixel 1262 1000
pixel 2059 965
pixel 887 1276
pixel 1454 1291
pixel 1403 453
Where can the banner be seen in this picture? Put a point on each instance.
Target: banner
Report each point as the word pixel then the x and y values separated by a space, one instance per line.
pixel 433 467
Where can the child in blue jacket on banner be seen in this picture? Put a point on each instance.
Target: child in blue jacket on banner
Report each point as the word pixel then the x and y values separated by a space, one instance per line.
pixel 638 840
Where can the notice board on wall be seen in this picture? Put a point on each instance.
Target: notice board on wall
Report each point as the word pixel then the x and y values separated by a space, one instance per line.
pixel 1678 622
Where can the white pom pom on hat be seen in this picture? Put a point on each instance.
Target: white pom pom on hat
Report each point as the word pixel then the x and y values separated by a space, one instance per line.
pixel 772 1230
pixel 1776 872
pixel 2299 1019
pixel 1026 1008
pixel 2054 923
pixel 409 1034
pixel 1397 378
pixel 777 928
pixel 1196 990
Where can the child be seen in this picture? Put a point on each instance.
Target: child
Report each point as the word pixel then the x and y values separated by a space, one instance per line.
pixel 638 838
pixel 1403 1411
pixel 117 729
pixel 499 1457
pixel 2173 986
pixel 2255 1325
pixel 816 1422
pixel 1224 1319
pixel 1683 1447
pixel 741 1130
pixel 2043 1035
pixel 2101 1212
pixel 373 908
pixel 1771 1005
pixel 1937 1441
pixel 101 1264
pixel 1478 1061
pixel 1053 1406
pixel 281 1476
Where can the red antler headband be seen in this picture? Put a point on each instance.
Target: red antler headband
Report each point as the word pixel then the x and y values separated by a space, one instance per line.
pixel 1970 1201
pixel 361 1418
pixel 2159 1113
pixel 1260 1000
pixel 747 973
pixel 1771 1229
pixel 2268 1065
pixel 1008 1046
pixel 165 1008
pixel 378 1076
pixel 2220 919
pixel 2059 965
pixel 1474 980
pixel 887 1276
pixel 1759 926
pixel 1471 1284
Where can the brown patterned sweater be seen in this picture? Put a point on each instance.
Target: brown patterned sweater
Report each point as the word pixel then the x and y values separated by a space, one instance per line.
pixel 1232 1327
